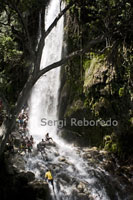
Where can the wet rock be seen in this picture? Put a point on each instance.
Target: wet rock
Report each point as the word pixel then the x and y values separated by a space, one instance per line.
pixel 30 176
pixel 41 190
pixel 87 155
pixel 39 184
pixel 21 179
pixel 91 160
pixel 91 197
pixel 56 154
pixel 86 149
pixel 81 187
pixel 22 153
pixel 103 152
pixel 50 144
pixel 40 167
pixel 78 151
pixel 10 169
pixel 108 166
pixel 79 196
pixel 19 161
pixel 99 157
pixel 65 177
pixel 94 150
pixel 62 159
pixel 91 152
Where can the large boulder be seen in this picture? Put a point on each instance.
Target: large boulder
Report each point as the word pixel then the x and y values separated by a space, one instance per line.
pixel 28 176
pixel 18 161
pixel 41 189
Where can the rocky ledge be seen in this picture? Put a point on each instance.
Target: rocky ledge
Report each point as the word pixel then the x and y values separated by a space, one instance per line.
pixel 17 184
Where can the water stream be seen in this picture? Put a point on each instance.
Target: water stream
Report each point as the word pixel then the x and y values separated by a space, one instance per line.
pixel 44 98
pixel 67 163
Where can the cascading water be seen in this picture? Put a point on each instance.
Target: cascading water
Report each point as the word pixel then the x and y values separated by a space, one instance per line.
pixel 66 162
pixel 43 102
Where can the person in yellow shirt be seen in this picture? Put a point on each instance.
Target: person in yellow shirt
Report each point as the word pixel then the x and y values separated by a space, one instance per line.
pixel 49 177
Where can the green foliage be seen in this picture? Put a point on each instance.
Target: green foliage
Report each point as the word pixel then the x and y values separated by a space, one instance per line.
pixel 17 18
pixel 111 20
pixel 8 50
pixel 114 147
pixel 121 92
pixel 110 143
pixel 13 69
pixel 86 64
pixel 90 57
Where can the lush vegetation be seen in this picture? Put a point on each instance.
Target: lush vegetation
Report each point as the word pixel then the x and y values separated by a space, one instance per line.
pixel 102 78
pixel 18 19
pixel 19 22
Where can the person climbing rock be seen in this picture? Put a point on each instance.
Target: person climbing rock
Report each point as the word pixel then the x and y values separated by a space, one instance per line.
pixel 26 139
pixel 47 138
pixel 32 139
pixel 43 143
pixel 41 146
pixel 49 177
pixel 29 146
pixel 38 147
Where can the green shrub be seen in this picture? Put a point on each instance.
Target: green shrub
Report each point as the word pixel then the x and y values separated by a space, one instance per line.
pixel 121 92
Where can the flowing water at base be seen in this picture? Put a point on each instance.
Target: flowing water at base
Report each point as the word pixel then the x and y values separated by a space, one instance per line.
pixel 75 177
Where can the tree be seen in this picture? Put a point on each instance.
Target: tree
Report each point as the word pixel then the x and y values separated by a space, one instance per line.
pixel 18 9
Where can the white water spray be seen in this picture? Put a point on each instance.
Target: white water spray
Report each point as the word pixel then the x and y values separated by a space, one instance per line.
pixel 44 99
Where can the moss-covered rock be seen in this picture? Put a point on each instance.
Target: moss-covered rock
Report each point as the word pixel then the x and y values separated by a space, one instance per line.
pixel 99 82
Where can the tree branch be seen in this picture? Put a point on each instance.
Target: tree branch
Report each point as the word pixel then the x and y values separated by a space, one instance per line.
pixel 56 20
pixel 46 33
pixel 69 57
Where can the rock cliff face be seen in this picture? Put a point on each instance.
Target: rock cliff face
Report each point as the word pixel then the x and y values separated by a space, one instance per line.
pixel 96 87
pixel 104 100
pixel 20 185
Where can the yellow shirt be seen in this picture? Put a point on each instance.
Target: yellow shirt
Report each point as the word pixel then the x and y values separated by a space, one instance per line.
pixel 48 175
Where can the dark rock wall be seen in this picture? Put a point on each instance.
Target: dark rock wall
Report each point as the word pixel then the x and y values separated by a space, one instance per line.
pixel 20 185
pixel 96 87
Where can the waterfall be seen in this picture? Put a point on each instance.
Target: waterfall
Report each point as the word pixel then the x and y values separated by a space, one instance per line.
pixel 70 166
pixel 44 98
